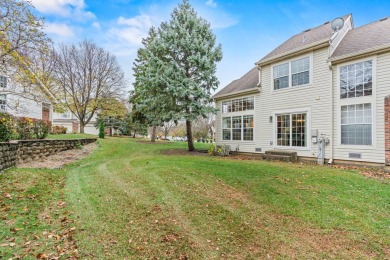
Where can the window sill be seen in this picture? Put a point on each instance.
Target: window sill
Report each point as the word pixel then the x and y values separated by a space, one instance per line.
pixel 357 147
pixel 284 90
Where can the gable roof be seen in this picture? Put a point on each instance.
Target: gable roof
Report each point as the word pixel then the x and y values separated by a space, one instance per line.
pixel 364 39
pixel 308 38
pixel 246 82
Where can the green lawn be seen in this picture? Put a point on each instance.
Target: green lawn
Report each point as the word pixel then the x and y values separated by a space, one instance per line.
pixel 128 200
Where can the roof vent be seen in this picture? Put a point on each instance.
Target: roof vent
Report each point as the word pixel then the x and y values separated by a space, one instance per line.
pixel 326 22
pixel 383 19
pixel 306 30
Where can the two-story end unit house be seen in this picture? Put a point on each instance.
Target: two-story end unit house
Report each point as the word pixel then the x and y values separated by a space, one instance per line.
pixel 14 101
pixel 320 86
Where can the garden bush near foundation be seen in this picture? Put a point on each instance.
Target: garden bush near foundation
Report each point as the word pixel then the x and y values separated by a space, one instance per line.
pixel 22 128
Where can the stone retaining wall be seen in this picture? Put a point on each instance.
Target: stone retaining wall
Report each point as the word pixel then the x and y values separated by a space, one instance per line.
pixel 12 153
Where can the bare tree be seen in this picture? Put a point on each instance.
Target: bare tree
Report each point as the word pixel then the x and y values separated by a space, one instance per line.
pixel 88 76
pixel 166 128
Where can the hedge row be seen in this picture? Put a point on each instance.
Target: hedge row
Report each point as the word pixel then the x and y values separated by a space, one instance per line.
pixel 22 128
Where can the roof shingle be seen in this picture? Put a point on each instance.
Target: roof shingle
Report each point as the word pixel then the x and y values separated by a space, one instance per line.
pixel 364 38
pixel 248 81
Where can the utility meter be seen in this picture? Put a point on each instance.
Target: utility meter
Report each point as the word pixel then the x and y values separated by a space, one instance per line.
pixel 314 136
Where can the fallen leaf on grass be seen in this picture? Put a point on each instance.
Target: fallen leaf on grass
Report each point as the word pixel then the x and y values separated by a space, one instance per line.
pixel 42 256
pixel 8 196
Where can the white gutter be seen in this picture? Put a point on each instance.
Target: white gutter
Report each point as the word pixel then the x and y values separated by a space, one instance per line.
pixel 238 93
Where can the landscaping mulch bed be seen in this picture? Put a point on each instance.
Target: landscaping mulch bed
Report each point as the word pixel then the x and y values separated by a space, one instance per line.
pixel 59 160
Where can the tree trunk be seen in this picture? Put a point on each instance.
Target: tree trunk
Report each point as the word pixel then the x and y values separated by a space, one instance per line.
pixel 134 134
pixel 191 147
pixel 154 132
pixel 82 127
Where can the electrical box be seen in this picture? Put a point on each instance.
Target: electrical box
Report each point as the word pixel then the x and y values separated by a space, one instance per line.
pixel 314 136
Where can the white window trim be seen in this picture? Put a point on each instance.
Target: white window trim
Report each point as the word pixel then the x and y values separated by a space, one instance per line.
pixel 290 87
pixel 356 101
pixel 241 112
pixel 242 128
pixel 306 110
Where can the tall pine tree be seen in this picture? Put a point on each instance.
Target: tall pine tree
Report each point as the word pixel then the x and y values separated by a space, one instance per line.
pixel 187 59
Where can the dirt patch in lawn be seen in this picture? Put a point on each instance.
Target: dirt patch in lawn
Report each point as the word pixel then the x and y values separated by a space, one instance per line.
pixel 59 160
pixel 185 152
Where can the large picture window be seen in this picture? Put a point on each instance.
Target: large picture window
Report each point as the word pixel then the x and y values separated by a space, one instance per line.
pixel 356 124
pixel 291 74
pixel 3 82
pixel 237 105
pixel 291 129
pixel 237 128
pixel 356 80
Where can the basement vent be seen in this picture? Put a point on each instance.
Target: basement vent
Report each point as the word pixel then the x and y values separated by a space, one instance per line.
pixel 355 155
pixel 258 149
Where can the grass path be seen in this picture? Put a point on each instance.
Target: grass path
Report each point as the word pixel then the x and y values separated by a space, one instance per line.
pixel 127 200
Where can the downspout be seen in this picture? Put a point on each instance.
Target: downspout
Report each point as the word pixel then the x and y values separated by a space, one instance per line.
pixel 332 113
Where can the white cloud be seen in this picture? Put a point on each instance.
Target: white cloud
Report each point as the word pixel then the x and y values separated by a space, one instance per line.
pixel 96 25
pixel 59 29
pixel 64 8
pixel 211 3
pixel 132 30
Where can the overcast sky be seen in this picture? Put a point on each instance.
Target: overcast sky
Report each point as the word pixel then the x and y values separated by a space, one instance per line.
pixel 247 30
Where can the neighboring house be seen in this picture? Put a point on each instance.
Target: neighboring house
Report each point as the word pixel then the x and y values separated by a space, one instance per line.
pixel 71 122
pixel 14 102
pixel 319 85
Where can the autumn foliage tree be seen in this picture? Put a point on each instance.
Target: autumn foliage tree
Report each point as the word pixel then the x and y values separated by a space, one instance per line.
pixel 25 51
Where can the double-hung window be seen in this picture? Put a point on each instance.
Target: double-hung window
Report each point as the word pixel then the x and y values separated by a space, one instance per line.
pixel 3 82
pixel 237 128
pixel 356 124
pixel 3 103
pixel 356 110
pixel 291 129
pixel 291 74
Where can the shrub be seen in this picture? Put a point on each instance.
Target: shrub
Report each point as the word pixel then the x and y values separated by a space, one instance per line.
pixel 211 150
pixel 24 128
pixel 101 130
pixel 7 127
pixel 57 129
pixel 41 128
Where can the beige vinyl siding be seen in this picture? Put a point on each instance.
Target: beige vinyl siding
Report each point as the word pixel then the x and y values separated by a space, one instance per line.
pixel 381 88
pixel 315 97
pixel 243 146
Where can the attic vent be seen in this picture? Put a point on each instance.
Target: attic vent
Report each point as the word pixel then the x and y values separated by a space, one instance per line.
pixel 355 155
pixel 326 23
pixel 383 19
pixel 306 30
